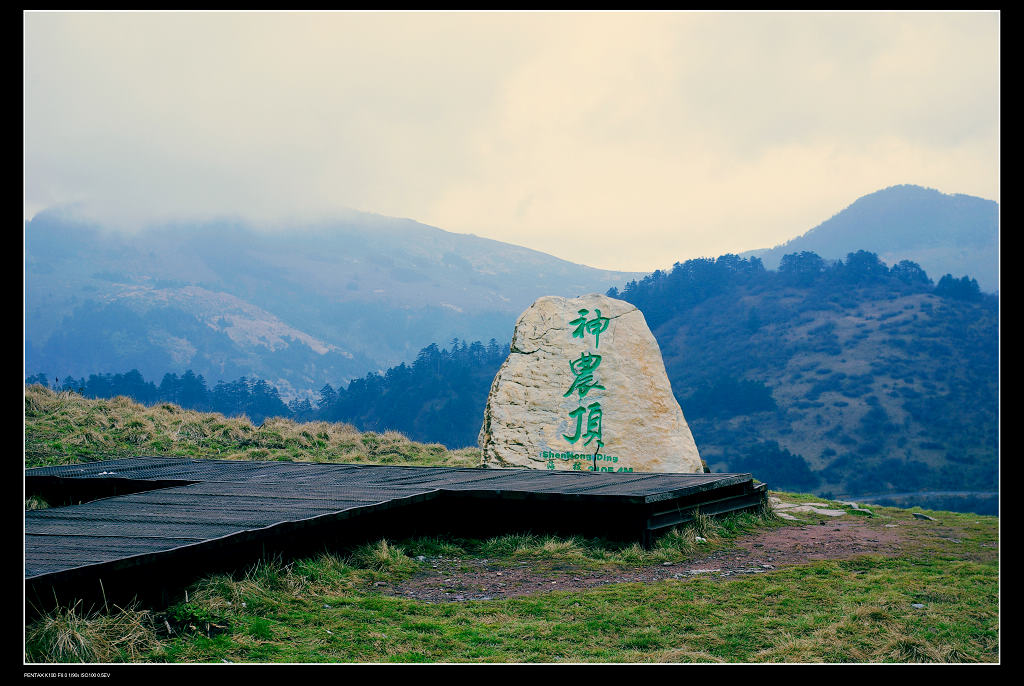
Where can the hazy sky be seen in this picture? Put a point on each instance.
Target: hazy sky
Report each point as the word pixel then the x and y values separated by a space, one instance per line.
pixel 619 140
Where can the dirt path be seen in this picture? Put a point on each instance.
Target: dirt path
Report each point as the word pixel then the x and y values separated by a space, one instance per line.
pixel 450 580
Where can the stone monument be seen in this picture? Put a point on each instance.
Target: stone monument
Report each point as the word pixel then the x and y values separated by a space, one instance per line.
pixel 584 388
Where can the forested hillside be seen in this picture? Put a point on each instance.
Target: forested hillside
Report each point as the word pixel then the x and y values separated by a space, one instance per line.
pixel 847 377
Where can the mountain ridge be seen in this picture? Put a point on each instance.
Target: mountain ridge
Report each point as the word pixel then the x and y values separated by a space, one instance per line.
pixel 944 233
pixel 375 293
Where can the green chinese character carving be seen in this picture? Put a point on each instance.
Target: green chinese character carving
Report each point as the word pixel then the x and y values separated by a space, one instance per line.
pixel 579 323
pixel 583 367
pixel 593 425
pixel 595 326
pixel 576 414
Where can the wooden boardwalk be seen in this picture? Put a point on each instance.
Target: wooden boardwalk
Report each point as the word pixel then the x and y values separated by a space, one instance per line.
pixel 173 518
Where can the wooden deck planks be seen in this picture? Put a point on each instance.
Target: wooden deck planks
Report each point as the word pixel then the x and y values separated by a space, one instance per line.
pixel 218 499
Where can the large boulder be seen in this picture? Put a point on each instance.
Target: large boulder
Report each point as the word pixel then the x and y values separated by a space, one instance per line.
pixel 584 387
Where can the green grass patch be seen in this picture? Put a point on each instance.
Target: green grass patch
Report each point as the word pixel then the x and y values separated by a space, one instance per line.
pixel 870 608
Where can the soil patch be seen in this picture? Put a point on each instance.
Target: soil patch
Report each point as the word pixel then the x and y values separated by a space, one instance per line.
pixel 453 580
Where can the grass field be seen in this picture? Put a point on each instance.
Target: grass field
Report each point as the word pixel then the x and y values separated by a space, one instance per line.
pixel 934 597
pixel 64 428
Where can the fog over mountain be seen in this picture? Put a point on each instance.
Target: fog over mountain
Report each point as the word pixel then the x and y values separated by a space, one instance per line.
pixel 303 303
pixel 299 305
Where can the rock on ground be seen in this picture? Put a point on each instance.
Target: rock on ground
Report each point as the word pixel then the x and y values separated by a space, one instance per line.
pixel 584 386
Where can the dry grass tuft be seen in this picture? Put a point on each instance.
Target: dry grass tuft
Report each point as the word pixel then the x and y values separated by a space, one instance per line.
pixel 704 526
pixel 684 655
pixel 68 635
pixel 383 557
pixel 870 614
pixel 907 649
pixel 563 548
pixel 39 401
pixel 34 502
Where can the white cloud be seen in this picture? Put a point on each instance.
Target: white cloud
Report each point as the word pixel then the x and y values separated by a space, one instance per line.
pixel 621 140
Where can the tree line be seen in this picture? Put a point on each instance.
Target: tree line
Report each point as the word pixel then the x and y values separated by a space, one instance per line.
pixel 663 293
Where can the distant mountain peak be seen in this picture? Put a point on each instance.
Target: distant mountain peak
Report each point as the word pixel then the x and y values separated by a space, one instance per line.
pixel 944 233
